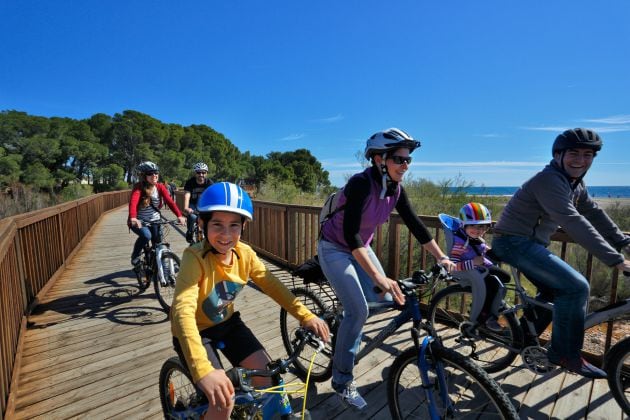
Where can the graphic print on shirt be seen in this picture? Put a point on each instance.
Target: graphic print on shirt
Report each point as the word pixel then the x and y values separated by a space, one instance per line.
pixel 215 305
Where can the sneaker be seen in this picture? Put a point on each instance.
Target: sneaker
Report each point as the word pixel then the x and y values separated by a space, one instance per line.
pixel 137 264
pixel 189 237
pixel 578 365
pixel 349 395
pixel 492 323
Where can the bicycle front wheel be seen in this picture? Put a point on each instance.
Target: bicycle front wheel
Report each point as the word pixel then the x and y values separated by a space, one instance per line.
pixel 180 398
pixel 322 366
pixel 166 290
pixel 460 388
pixel 617 367
pixel 450 308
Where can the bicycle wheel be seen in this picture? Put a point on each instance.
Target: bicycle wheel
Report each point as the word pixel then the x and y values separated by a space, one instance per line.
pixel 180 398
pixel 450 308
pixel 165 292
pixel 469 393
pixel 322 366
pixel 617 367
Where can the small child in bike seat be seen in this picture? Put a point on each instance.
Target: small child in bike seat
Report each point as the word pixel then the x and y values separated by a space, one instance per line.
pixel 469 251
pixel 212 274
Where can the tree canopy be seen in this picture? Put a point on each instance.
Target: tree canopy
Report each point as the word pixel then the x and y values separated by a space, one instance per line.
pixel 103 150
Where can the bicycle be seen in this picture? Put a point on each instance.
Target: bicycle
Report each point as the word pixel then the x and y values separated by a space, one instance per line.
pixel 617 365
pixel 181 399
pixel 451 309
pixel 197 233
pixel 460 387
pixel 162 274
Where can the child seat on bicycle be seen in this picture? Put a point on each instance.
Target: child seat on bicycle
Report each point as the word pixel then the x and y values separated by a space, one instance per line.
pixel 468 250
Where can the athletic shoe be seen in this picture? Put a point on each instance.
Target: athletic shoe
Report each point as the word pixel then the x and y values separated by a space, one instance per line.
pixel 349 395
pixel 189 237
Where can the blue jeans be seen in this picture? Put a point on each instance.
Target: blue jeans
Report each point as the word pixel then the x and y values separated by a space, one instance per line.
pixel 190 219
pixel 145 234
pixel 355 289
pixel 568 288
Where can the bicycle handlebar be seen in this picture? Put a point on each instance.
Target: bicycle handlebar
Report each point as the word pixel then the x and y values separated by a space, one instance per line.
pixel 160 222
pixel 420 278
pixel 241 377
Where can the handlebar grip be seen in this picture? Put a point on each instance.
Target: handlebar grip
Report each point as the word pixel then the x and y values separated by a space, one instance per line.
pixel 234 375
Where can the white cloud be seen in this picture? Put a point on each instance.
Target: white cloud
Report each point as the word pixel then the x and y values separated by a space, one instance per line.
pixel 614 119
pixel 329 120
pixel 489 135
pixel 292 137
pixel 556 129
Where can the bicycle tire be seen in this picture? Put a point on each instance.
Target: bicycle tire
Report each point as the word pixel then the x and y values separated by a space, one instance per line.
pixel 450 307
pixel 322 366
pixel 171 263
pixel 472 393
pixel 617 366
pixel 179 396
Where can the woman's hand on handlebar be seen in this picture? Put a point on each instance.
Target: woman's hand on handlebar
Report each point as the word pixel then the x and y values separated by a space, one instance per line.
pixel 135 223
pixel 319 327
pixel 387 285
pixel 182 220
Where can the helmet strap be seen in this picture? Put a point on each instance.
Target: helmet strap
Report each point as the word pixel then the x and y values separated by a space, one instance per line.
pixel 384 177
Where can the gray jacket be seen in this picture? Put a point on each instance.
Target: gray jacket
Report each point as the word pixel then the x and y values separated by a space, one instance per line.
pixel 549 199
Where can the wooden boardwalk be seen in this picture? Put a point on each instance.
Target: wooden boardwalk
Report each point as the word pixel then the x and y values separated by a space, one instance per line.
pixel 94 348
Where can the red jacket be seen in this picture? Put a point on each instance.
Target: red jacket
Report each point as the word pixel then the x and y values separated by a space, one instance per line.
pixel 137 192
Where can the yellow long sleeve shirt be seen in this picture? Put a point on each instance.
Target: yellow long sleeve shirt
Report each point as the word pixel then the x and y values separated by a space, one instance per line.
pixel 205 294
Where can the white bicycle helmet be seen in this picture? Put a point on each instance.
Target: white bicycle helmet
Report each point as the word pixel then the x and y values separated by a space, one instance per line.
pixel 146 167
pixel 390 139
pixel 200 166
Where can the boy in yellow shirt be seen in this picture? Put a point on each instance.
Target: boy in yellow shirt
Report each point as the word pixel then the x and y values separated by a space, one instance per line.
pixel 212 274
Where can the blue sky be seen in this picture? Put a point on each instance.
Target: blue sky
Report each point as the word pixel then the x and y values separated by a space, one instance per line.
pixel 485 85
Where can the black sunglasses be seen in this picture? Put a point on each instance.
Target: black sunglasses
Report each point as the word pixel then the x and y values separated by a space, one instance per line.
pixel 399 160
pixel 201 173
pixel 152 173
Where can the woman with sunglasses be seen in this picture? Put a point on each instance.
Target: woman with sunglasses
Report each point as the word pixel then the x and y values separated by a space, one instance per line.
pixel 347 260
pixel 146 200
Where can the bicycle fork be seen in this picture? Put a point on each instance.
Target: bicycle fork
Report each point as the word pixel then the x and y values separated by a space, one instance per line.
pixel 427 385
pixel 160 267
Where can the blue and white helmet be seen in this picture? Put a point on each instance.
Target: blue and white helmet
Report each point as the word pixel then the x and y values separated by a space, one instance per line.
pixel 225 196
pixel 390 139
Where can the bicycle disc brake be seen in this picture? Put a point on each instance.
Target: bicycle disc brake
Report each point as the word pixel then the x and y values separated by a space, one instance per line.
pixel 535 358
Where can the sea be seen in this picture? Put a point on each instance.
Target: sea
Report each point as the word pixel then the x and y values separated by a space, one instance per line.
pixel 594 191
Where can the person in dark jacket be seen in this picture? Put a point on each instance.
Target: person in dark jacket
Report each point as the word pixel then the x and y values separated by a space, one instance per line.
pixel 557 196
pixel 347 260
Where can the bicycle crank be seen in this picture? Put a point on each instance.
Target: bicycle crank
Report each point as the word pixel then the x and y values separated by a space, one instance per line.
pixel 536 360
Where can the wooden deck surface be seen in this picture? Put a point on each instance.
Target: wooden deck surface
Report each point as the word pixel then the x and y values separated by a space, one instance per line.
pixel 94 348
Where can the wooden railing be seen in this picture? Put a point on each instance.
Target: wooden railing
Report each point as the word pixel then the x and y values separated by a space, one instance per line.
pixel 34 248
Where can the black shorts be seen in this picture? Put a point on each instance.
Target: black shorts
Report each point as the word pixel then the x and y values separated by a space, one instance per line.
pixel 235 340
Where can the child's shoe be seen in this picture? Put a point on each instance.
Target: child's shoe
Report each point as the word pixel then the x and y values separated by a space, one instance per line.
pixel 492 323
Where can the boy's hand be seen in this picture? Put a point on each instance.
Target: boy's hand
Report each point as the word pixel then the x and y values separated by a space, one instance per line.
pixel 319 327
pixel 218 388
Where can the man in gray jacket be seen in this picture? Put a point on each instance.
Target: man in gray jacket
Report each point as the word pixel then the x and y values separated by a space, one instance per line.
pixel 557 196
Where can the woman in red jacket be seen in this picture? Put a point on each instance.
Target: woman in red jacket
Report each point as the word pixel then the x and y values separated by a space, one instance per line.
pixel 144 207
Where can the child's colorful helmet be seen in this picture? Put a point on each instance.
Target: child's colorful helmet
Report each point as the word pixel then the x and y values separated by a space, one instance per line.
pixel 475 214
pixel 225 196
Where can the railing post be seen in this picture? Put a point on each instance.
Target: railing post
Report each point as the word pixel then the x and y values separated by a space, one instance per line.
pixel 393 250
